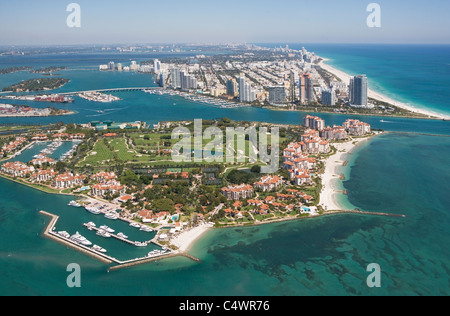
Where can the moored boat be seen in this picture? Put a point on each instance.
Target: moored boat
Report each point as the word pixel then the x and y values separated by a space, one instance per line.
pixel 111 215
pixel 103 233
pixel 80 239
pixel 145 228
pixel 74 203
pixel 92 210
pixel 98 248
pixel 134 224
pixel 107 229
pixel 64 234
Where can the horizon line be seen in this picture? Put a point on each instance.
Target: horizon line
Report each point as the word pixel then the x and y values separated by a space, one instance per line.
pixel 216 44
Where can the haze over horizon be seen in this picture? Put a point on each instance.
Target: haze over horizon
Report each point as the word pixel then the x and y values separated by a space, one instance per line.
pixel 26 22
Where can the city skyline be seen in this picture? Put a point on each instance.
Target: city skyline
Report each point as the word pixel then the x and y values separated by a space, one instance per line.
pixel 44 23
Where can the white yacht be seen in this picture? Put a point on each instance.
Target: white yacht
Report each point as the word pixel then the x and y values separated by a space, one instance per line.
pixel 134 224
pixel 140 244
pixel 111 215
pixel 107 229
pixel 74 203
pixel 145 228
pixel 98 248
pixel 122 235
pixel 80 239
pixel 103 233
pixel 64 234
pixel 92 210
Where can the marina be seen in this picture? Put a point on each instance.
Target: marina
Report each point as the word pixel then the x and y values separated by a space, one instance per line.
pixel 98 97
pixel 80 243
pixel 207 100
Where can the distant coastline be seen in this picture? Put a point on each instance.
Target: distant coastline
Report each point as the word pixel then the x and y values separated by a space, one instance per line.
pixel 380 97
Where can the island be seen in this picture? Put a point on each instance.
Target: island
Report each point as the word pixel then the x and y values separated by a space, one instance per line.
pixel 126 171
pixel 48 70
pixel 12 70
pixel 42 84
pixel 11 110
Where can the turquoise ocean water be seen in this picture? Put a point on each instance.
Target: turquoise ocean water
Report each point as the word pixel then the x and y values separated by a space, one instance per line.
pixel 397 173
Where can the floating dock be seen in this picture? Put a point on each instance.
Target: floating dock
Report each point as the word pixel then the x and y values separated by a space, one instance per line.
pixel 113 235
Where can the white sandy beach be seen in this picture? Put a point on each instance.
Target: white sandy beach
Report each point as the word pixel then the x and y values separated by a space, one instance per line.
pixel 187 237
pixel 378 96
pixel 327 196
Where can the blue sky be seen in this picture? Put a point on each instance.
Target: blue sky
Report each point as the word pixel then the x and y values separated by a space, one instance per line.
pixel 43 22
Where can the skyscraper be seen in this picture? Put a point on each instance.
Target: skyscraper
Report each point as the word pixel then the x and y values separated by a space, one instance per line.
pixel 329 97
pixel 358 91
pixel 292 96
pixel 162 79
pixel 156 66
pixel 242 89
pixel 188 82
pixel 111 66
pixel 232 87
pixel 176 78
pixel 306 88
pixel 277 95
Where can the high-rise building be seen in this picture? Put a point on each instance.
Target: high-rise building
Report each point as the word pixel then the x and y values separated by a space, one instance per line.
pixel 111 66
pixel 358 91
pixel 232 87
pixel 162 79
pixel 246 93
pixel 277 95
pixel 119 67
pixel 156 66
pixel 188 82
pixel 314 122
pixel 329 97
pixel 176 78
pixel 306 88
pixel 134 66
pixel 292 94
pixel 242 89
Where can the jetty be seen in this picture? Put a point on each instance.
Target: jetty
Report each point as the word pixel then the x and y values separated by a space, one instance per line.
pixel 49 232
pixel 374 213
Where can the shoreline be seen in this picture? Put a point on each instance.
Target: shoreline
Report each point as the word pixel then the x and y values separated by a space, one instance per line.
pixel 327 196
pixel 187 238
pixel 379 96
pixel 50 115
pixel 319 111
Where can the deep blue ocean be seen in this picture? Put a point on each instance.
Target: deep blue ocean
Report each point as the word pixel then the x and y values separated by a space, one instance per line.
pixel 403 173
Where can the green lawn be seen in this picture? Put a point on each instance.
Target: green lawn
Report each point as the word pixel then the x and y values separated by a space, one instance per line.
pixel 119 152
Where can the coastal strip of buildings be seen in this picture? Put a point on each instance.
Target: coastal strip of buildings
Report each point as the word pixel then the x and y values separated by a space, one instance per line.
pixel 295 80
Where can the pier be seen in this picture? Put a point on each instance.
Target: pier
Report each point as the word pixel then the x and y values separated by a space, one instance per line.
pixel 113 235
pixel 49 232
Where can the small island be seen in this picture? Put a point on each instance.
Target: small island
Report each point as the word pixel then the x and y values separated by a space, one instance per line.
pixel 41 84
pixel 11 70
pixel 9 110
pixel 47 70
